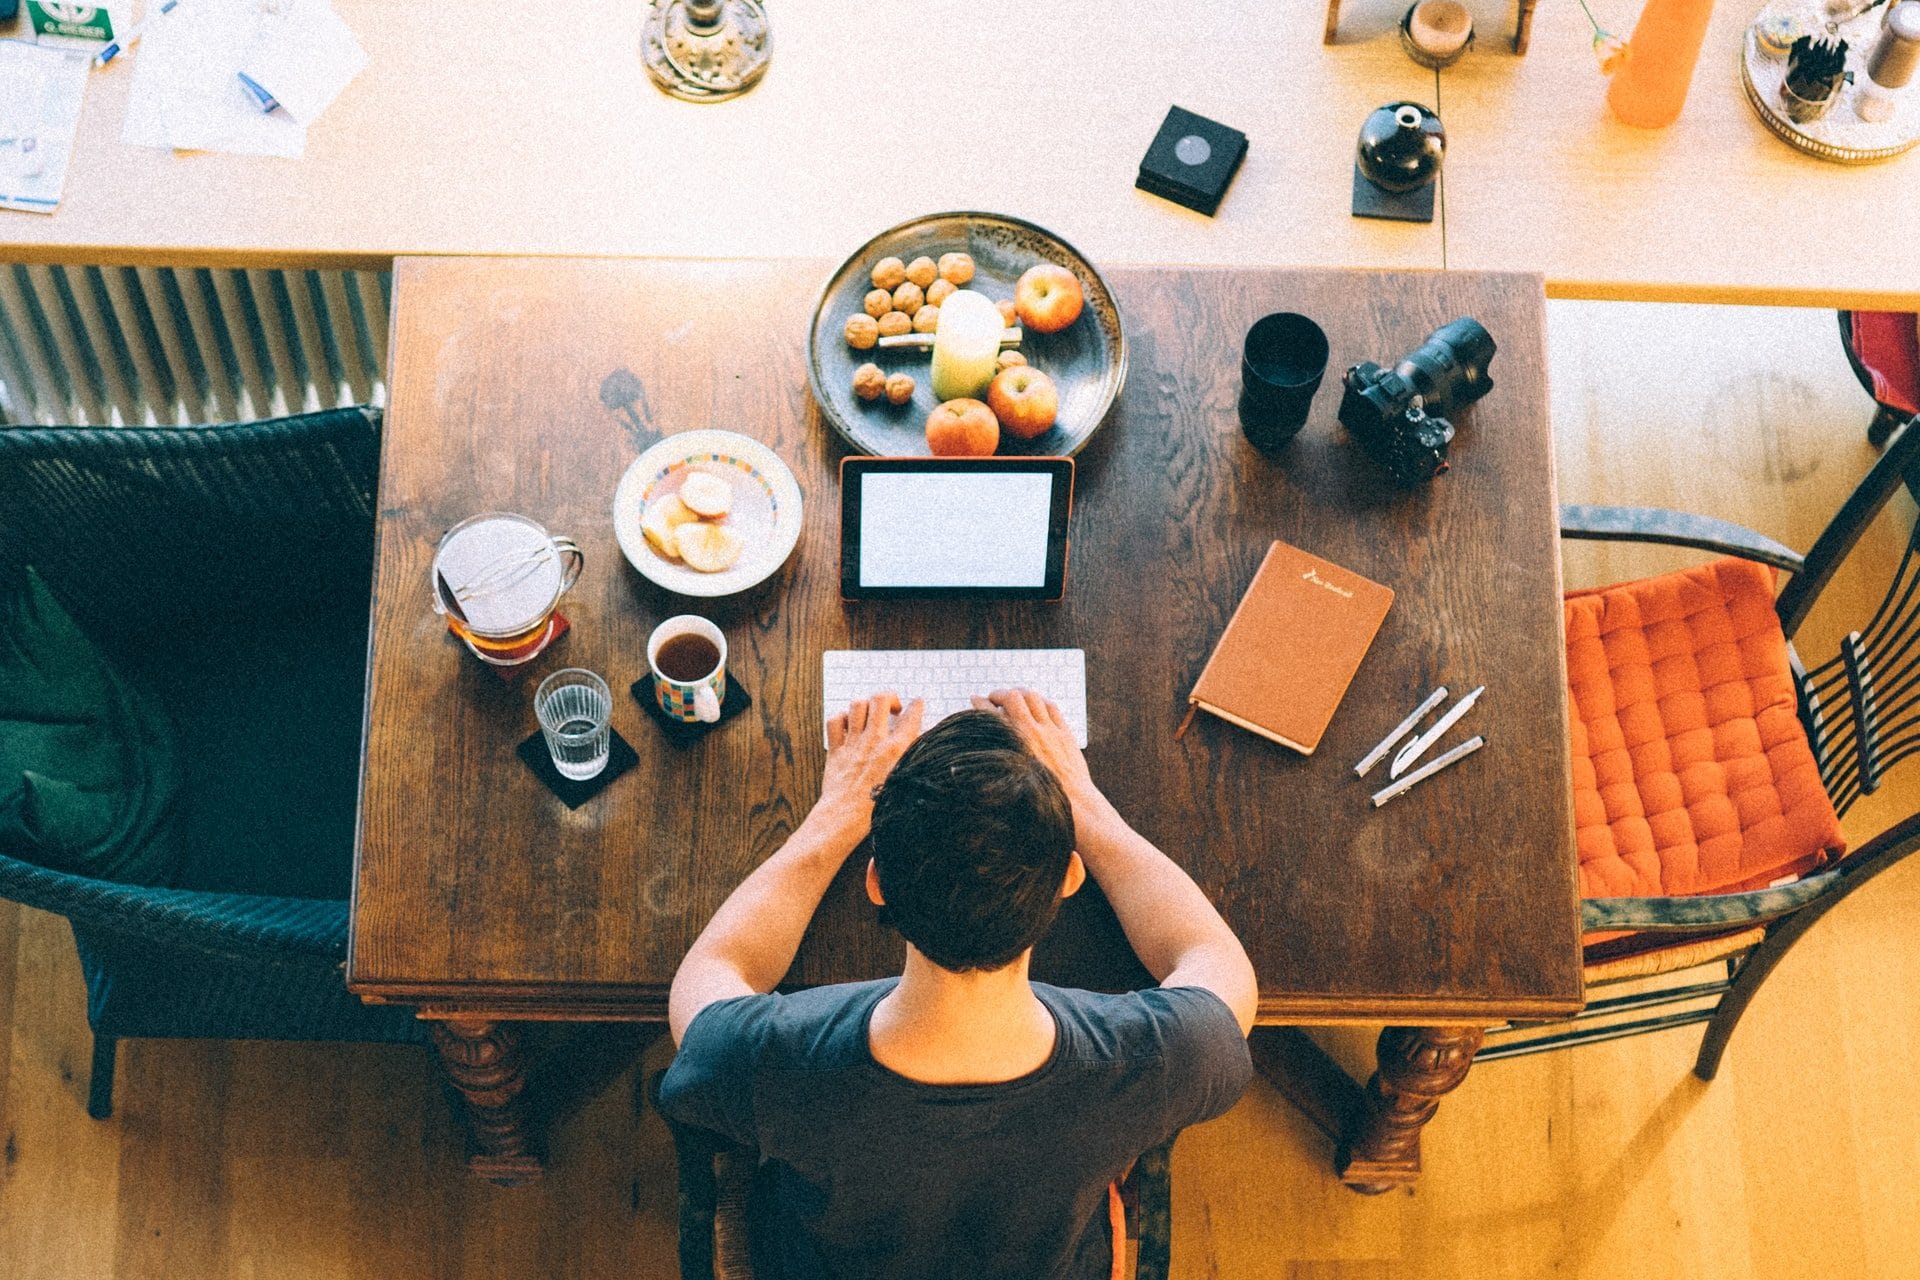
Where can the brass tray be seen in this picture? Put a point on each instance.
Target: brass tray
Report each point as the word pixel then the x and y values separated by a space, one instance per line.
pixel 1840 136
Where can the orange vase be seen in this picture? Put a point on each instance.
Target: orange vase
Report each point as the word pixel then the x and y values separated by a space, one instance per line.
pixel 1651 87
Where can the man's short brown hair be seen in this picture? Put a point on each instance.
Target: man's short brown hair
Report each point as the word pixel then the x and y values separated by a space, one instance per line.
pixel 971 840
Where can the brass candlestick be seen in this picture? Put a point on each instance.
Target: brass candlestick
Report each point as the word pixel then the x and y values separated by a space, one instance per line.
pixel 706 50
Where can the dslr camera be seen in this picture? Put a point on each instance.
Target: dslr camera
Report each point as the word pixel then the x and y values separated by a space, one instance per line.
pixel 1396 414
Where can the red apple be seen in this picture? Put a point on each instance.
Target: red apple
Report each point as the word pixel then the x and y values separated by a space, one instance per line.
pixel 1048 298
pixel 963 429
pixel 1024 400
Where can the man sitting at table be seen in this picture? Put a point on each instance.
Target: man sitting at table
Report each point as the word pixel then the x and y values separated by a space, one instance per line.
pixel 960 1120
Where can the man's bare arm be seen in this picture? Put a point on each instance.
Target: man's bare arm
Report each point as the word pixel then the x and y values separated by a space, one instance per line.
pixel 1173 928
pixel 750 943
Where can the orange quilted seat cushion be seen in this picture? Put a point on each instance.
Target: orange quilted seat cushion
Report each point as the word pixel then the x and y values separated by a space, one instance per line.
pixel 1691 773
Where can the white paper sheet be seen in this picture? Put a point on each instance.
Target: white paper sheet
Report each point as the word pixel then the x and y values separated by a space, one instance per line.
pixel 186 91
pixel 303 56
pixel 39 114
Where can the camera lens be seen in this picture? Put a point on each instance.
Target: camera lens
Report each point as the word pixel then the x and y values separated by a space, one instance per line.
pixel 1449 369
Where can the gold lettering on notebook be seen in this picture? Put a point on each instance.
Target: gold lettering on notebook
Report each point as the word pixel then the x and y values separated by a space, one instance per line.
pixel 1313 577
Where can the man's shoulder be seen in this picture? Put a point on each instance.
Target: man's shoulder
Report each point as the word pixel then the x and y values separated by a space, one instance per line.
pixel 789 1029
pixel 1181 1044
pixel 732 1047
pixel 1158 1022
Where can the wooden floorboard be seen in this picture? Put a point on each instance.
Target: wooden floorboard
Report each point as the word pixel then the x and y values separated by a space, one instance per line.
pixel 329 1161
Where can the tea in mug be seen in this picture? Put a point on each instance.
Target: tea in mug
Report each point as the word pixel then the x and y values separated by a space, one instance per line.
pixel 688 656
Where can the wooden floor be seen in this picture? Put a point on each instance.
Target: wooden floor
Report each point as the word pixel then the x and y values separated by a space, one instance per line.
pixel 1612 1160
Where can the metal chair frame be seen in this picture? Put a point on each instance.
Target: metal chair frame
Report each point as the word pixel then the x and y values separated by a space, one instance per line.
pixel 1861 712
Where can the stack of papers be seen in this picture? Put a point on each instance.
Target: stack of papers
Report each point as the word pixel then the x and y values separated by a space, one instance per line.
pixel 237 75
pixel 39 113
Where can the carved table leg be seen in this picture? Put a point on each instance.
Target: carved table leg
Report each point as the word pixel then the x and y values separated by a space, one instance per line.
pixel 1418 1066
pixel 1522 26
pixel 483 1059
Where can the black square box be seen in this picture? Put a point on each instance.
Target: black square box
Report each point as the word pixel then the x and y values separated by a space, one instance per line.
pixel 1192 160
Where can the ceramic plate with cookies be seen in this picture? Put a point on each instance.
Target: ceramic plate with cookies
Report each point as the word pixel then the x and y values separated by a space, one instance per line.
pixel 1086 360
pixel 707 513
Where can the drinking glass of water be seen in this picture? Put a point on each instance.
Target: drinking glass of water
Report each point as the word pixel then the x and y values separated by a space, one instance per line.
pixel 575 709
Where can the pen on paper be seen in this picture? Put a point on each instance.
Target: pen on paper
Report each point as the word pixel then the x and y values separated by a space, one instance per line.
pixel 116 47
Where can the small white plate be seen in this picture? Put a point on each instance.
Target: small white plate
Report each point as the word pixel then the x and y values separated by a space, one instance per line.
pixel 765 512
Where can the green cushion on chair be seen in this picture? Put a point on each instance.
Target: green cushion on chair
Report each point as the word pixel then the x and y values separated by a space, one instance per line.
pixel 269 714
pixel 89 777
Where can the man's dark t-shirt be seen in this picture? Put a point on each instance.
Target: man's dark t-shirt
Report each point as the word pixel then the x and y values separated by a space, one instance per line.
pixel 868 1174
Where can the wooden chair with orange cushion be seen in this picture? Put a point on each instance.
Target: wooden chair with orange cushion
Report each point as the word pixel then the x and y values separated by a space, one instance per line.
pixel 1712 764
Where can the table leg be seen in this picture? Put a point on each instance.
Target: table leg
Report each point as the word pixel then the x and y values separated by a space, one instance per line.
pixel 1417 1067
pixel 483 1059
pixel 1522 25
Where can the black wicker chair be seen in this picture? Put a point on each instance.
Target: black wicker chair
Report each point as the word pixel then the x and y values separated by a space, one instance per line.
pixel 1860 709
pixel 226 570
pixel 716 1176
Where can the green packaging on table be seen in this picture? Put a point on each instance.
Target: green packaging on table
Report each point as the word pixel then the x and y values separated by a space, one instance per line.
pixel 55 22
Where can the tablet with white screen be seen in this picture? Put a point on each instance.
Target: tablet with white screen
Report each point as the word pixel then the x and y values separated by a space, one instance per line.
pixel 954 527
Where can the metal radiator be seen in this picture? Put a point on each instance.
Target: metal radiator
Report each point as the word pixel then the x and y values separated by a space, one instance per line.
pixel 146 346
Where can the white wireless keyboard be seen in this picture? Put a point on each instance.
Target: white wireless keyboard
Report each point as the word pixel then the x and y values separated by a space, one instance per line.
pixel 948 679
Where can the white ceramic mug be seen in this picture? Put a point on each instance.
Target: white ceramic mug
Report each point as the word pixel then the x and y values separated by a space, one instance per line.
pixel 694 697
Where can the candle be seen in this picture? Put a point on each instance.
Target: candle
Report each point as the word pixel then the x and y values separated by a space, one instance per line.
pixel 966 346
pixel 1892 62
pixel 1440 27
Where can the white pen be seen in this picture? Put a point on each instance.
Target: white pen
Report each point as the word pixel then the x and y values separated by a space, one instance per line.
pixel 1418 747
pixel 119 46
pixel 1460 752
pixel 1400 731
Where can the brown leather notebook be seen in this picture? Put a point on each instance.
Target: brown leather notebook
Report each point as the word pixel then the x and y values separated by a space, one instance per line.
pixel 1291 648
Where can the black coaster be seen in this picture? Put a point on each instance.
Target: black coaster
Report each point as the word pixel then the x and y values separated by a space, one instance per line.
pixel 1370 201
pixel 533 753
pixel 684 733
pixel 1191 161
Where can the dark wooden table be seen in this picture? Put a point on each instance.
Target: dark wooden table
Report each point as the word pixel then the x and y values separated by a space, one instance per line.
pixel 529 385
